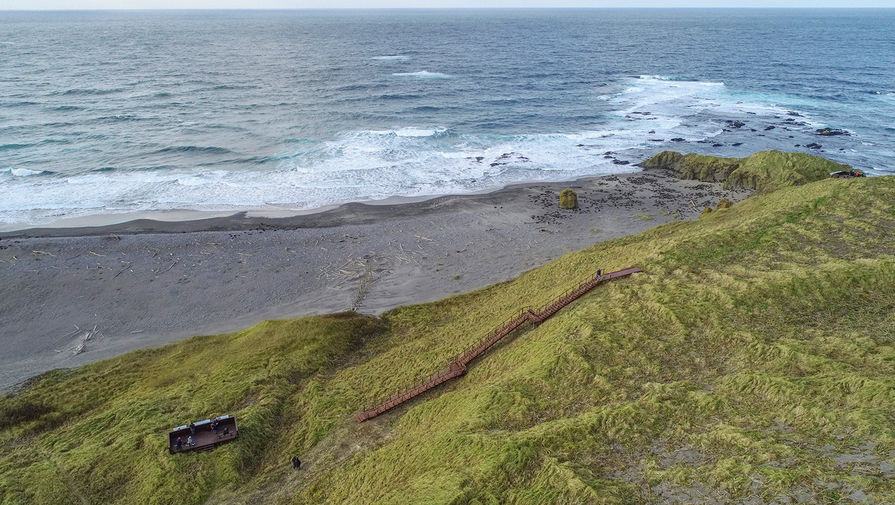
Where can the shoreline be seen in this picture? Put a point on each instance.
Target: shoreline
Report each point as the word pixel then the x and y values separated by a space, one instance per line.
pixel 195 220
pixel 146 283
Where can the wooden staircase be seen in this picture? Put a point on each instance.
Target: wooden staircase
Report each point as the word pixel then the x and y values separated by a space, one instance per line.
pixel 457 366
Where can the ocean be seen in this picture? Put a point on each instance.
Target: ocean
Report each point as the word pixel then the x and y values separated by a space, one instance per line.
pixel 125 111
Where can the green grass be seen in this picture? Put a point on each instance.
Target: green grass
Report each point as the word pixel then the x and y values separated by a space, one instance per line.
pixel 754 359
pixel 764 171
pixel 568 199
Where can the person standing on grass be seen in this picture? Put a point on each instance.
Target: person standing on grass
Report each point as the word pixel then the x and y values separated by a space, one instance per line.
pixel 600 274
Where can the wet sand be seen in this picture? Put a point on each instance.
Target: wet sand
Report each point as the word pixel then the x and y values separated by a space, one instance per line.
pixel 71 296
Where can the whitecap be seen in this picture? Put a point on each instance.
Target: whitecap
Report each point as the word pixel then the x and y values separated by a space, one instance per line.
pixel 673 80
pixel 681 108
pixel 668 78
pixel 410 159
pixel 423 74
pixel 394 57
pixel 418 132
pixel 24 172
pixel 403 132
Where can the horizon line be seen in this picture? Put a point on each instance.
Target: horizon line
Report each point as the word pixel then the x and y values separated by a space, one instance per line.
pixel 207 9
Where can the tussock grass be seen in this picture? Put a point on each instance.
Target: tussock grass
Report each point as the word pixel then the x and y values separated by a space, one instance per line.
pixel 754 360
pixel 763 171
pixel 568 199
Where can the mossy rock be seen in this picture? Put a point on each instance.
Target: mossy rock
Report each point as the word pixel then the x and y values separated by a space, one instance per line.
pixel 764 171
pixel 771 170
pixel 568 199
pixel 724 203
pixel 706 168
pixel 665 159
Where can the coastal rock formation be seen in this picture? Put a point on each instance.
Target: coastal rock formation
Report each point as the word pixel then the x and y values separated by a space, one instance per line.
pixel 763 171
pixel 694 166
pixel 509 158
pixel 830 132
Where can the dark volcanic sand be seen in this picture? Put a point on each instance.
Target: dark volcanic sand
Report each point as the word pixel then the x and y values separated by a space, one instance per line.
pixel 147 283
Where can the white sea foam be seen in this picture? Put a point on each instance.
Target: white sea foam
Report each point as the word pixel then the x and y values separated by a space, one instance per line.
pixel 395 57
pixel 408 132
pixel 887 97
pixel 359 165
pixel 418 132
pixel 409 160
pixel 423 74
pixel 692 109
pixel 24 172
pixel 668 78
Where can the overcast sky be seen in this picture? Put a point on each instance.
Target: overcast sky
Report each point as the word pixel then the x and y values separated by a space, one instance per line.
pixel 314 4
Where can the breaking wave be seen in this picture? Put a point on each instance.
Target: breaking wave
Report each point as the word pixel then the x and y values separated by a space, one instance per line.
pixel 423 74
pixel 643 114
pixel 395 57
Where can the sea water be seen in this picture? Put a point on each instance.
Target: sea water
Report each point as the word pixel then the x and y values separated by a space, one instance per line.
pixel 107 112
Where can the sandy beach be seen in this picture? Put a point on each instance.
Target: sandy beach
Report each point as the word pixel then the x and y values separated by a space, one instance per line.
pixel 76 295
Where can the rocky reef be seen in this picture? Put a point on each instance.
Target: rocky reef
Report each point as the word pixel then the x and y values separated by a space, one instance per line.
pixel 763 171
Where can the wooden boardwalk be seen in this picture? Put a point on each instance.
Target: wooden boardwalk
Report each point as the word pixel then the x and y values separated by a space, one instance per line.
pixel 457 367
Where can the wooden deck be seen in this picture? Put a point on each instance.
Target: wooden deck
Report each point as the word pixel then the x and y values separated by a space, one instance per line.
pixel 457 367
pixel 204 438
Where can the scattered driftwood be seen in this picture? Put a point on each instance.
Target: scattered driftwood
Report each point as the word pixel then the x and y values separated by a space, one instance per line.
pixel 128 265
pixel 44 253
pixel 81 346
pixel 71 333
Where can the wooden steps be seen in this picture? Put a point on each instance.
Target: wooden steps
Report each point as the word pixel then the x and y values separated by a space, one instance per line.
pixel 457 366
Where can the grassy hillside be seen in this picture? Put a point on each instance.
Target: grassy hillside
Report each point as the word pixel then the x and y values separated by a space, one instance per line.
pixel 752 362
